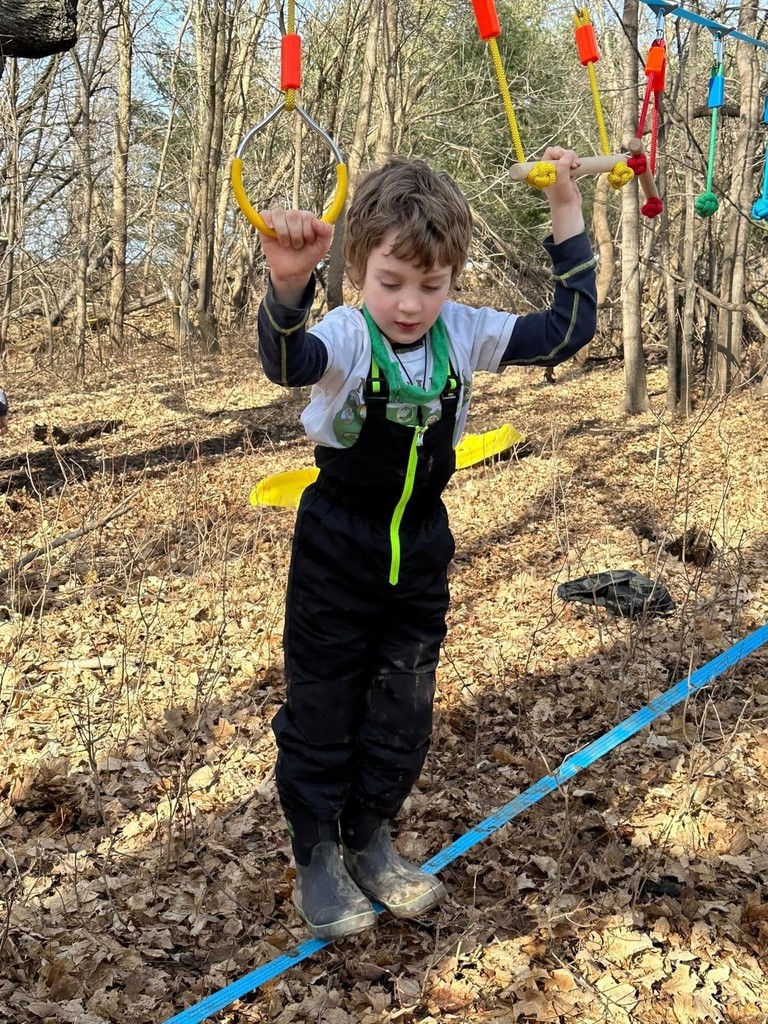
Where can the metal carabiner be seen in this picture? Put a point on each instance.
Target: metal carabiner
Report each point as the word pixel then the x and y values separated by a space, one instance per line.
pixel 243 202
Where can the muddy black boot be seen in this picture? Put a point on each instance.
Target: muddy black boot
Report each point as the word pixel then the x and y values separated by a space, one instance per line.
pixel 327 898
pixel 403 888
pixel 324 894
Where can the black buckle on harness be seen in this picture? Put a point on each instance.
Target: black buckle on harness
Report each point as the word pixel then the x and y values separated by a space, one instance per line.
pixel 376 393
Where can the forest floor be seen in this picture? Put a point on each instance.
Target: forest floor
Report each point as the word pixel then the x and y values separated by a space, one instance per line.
pixel 144 861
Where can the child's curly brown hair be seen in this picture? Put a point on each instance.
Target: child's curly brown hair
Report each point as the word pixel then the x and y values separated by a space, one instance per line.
pixel 424 207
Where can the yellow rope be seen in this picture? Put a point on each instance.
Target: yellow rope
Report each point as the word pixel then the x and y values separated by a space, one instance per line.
pixel 598 110
pixel 621 173
pixel 501 78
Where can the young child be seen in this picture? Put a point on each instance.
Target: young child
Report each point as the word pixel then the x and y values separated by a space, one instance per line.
pixel 367 590
pixel 3 412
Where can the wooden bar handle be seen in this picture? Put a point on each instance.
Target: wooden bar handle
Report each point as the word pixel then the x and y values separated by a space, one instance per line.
pixel 589 165
pixel 598 165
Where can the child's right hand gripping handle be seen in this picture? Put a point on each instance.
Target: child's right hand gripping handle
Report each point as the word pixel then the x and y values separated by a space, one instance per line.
pixel 238 188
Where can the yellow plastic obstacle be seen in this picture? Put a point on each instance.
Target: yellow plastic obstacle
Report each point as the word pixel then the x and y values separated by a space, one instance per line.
pixel 474 448
pixel 284 490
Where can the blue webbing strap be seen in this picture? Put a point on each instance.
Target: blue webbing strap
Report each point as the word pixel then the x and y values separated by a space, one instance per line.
pixel 570 767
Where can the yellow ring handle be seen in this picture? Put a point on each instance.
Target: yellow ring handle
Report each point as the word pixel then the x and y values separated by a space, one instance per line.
pixel 243 202
pixel 339 197
pixel 330 216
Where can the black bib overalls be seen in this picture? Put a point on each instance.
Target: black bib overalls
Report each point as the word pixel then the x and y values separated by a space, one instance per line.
pixel 360 651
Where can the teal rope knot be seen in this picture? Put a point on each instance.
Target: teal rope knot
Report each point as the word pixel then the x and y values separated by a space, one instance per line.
pixel 706 204
pixel 760 210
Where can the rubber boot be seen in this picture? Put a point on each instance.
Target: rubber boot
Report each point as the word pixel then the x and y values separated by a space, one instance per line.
pixel 327 898
pixel 403 888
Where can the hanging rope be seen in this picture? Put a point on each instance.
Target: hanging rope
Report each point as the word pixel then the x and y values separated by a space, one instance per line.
pixel 707 203
pixel 760 208
pixel 543 174
pixel 514 130
pixel 589 55
pixel 655 76
pixel 290 59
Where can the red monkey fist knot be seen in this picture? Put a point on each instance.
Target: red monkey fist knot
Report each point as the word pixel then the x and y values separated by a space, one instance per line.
pixel 652 208
pixel 638 164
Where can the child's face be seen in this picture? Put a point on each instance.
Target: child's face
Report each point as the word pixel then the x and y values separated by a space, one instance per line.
pixel 404 300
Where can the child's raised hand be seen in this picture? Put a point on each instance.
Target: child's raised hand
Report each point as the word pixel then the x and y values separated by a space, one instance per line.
pixel 565 189
pixel 564 197
pixel 302 242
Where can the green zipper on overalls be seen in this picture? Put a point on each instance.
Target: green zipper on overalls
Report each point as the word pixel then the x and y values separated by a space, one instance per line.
pixel 397 517
pixel 438 339
pixel 410 476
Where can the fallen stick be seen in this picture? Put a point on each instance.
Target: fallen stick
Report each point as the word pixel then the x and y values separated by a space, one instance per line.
pixel 59 541
pixel 77 434
pixel 81 664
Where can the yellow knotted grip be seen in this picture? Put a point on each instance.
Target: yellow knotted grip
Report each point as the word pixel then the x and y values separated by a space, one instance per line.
pixel 238 188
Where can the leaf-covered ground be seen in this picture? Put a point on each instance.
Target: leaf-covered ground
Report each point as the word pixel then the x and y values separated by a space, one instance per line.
pixel 144 860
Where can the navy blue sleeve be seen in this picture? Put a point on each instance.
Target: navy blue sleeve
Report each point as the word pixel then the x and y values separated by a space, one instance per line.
pixel 290 355
pixel 550 337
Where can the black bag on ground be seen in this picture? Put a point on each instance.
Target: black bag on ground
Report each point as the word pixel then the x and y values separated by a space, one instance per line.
pixel 622 592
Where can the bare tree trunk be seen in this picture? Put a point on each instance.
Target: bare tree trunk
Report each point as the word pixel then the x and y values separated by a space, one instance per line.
pixel 606 252
pixel 687 244
pixel 335 279
pixel 388 84
pixel 120 186
pixel 730 322
pixel 709 325
pixel 636 396
pixel 670 305
pixel 357 152
pixel 239 266
pixel 670 287
pixel 162 162
pixel 9 239
pixel 85 66
pixel 182 294
pixel 212 112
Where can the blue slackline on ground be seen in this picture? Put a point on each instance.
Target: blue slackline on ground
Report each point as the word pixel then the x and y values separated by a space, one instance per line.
pixel 570 767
